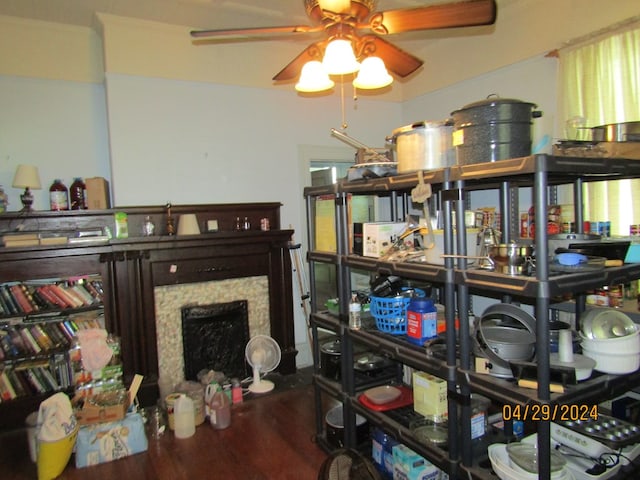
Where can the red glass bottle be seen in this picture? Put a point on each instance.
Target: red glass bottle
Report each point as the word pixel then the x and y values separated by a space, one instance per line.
pixel 77 194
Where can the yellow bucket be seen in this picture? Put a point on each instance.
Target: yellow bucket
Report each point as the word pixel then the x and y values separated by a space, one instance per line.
pixel 54 456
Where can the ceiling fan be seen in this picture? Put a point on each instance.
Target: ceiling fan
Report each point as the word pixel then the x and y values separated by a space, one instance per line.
pixel 359 22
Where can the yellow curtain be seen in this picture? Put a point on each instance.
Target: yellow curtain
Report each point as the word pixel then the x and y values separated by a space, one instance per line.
pixel 600 84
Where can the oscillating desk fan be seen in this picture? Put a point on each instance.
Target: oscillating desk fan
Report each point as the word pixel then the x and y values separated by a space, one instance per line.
pixel 263 354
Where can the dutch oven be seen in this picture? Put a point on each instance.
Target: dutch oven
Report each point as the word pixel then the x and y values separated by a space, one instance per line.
pixel 493 129
pixel 424 145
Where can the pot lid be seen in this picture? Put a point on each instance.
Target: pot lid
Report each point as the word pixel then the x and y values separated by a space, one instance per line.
pixel 494 101
pixel 425 125
pixel 333 347
pixel 508 335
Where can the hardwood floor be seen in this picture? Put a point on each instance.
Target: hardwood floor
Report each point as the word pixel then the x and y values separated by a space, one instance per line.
pixel 270 437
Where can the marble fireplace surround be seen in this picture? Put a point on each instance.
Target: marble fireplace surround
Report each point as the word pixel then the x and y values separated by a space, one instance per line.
pixel 170 299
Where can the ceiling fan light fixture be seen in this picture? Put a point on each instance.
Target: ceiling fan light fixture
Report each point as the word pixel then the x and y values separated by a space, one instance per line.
pixel 339 58
pixel 314 78
pixel 373 74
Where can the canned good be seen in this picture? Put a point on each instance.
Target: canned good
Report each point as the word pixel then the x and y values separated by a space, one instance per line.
pixel 264 224
pixel 616 296
pixel 568 227
pixel 601 296
pixel 634 229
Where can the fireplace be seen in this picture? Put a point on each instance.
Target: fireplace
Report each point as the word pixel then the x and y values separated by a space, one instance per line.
pixel 170 300
pixel 214 338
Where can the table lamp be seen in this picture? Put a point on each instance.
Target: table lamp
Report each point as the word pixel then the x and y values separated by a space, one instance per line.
pixel 27 177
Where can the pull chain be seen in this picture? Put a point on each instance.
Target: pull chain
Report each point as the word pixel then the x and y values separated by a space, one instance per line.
pixel 344 119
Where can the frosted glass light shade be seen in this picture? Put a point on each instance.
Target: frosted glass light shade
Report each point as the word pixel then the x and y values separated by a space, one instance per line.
pixel 373 74
pixel 339 58
pixel 314 78
pixel 27 176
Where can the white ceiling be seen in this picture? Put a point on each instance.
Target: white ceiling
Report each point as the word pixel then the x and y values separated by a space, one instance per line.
pixel 202 14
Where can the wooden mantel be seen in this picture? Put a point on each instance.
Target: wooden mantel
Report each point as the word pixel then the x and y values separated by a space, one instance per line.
pixel 131 268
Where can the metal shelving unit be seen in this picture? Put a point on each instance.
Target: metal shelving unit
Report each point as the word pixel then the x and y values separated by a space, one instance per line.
pixel 457 281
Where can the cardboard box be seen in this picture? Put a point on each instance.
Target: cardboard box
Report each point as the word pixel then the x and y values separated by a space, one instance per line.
pixel 97 193
pixel 91 413
pixel 105 442
pixel 379 237
pixel 430 396
pixel 408 465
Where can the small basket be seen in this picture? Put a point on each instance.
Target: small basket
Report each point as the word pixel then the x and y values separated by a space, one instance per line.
pixel 390 313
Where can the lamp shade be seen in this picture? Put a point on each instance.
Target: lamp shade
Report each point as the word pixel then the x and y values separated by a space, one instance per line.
pixel 314 78
pixel 27 176
pixel 373 74
pixel 339 58
pixel 188 224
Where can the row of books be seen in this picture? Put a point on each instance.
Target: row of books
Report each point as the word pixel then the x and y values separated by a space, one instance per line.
pixel 35 379
pixel 29 339
pixel 31 298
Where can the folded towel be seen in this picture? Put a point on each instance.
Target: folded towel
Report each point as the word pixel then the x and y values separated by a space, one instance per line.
pixel 55 418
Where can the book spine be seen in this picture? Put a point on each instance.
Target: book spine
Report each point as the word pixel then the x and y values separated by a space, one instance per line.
pixel 49 378
pixel 59 293
pixel 63 328
pixel 41 337
pixel 34 384
pixel 13 307
pixel 51 296
pixel 58 339
pixel 21 299
pixel 30 341
pixel 82 292
pixel 9 349
pixel 17 341
pixel 20 385
pixel 27 293
pixel 38 298
pixel 78 301
pixel 8 392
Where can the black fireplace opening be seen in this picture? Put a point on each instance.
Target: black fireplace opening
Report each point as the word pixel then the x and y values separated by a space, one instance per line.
pixel 214 338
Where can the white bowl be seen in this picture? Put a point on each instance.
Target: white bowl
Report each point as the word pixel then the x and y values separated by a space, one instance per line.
pixel 628 344
pixel 616 363
pixel 506 471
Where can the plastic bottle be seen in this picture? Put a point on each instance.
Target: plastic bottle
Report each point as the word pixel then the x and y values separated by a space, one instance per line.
pixel 422 319
pixel 236 391
pixel 78 194
pixel 220 410
pixel 355 321
pixel 58 196
pixel 183 417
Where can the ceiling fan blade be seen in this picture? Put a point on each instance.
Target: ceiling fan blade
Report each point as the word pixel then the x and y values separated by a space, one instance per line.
pixel 459 14
pixel 293 69
pixel 395 59
pixel 251 32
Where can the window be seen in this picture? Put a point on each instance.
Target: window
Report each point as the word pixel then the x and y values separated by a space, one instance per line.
pixel 599 85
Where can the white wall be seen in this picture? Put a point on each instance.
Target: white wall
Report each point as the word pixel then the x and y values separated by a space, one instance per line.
pixel 60 126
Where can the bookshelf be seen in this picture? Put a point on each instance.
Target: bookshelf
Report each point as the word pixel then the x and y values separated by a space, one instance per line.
pixel 128 270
